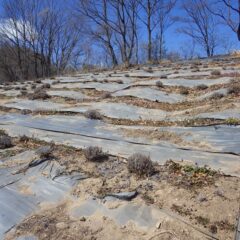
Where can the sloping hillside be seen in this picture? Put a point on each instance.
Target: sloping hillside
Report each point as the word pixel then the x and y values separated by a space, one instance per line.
pixel 183 121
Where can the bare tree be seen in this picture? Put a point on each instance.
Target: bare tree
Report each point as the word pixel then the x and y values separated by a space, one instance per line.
pixel 100 28
pixel 165 21
pixel 229 12
pixel 156 17
pixel 200 25
pixel 150 19
pixel 124 27
pixel 41 39
pixel 16 34
pixel 113 24
pixel 188 50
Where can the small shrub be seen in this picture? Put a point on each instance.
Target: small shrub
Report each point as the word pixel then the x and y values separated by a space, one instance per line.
pixel 235 90
pixel 140 165
pixel 2 132
pixel 5 141
pixel 173 166
pixel 202 220
pixel 95 154
pixel 195 64
pixel 24 88
pixel 17 88
pixel 126 75
pixel 38 94
pixel 55 82
pixel 106 95
pixel 184 91
pixel 216 73
pixel 159 84
pixel 38 81
pixel 119 81
pixel 46 85
pixel 213 229
pixel 25 111
pixel 24 138
pixel 201 87
pixel 23 92
pixel 33 87
pixel 163 76
pixel 93 114
pixel 216 96
pixel 195 170
pixel 149 70
pixel 45 152
pixel 190 170
pixel 196 70
pixel 233 121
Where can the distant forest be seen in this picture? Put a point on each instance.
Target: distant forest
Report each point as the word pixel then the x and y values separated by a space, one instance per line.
pixel 42 38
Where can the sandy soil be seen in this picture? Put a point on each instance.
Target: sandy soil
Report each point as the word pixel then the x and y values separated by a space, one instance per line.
pixel 158 135
pixel 201 201
pixel 205 199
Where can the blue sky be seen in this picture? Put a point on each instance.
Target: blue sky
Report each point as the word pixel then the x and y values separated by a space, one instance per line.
pixel 174 40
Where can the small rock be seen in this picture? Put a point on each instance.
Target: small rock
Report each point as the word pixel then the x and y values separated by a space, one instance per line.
pixel 158 225
pixel 219 192
pixel 213 229
pixel 82 219
pixel 124 195
pixel 201 198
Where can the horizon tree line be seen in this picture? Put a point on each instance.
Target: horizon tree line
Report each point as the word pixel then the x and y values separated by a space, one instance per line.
pixel 41 38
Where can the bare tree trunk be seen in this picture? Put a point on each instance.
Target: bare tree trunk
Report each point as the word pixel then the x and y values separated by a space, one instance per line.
pixel 204 31
pixel 161 42
pixel 238 31
pixel 109 45
pixel 149 31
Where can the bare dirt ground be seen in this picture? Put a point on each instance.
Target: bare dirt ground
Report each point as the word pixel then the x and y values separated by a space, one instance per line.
pixel 51 190
pixel 204 198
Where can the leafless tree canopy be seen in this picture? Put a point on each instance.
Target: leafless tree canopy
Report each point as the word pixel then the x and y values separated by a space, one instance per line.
pixel 200 25
pixel 41 38
pixel 229 12
pixel 37 39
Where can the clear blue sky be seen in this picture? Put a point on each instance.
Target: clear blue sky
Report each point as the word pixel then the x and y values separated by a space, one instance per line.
pixel 174 40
